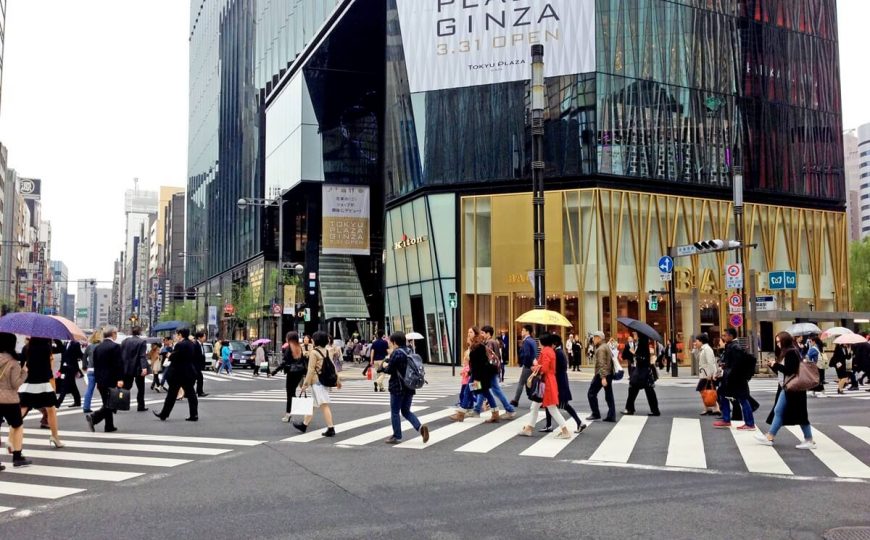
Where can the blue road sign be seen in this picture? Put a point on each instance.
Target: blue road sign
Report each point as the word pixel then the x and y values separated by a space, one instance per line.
pixel 790 280
pixel 776 281
pixel 666 265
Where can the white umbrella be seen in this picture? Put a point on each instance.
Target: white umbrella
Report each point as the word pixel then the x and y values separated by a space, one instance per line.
pixel 850 339
pixel 836 331
pixel 803 329
pixel 414 335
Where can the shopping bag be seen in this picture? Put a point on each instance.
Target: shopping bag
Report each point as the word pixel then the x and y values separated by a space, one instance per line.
pixel 119 399
pixel 264 366
pixel 302 405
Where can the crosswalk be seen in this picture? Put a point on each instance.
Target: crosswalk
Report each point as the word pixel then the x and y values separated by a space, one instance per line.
pixel 94 459
pixel 692 444
pixel 238 375
pixel 351 393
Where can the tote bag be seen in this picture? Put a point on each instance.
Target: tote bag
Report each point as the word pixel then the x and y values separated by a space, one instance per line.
pixel 806 378
pixel 302 405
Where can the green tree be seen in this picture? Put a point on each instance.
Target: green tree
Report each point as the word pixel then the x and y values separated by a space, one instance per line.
pixel 859 270
pixel 248 307
pixel 181 311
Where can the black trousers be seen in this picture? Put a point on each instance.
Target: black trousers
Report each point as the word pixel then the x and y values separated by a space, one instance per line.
pixel 199 382
pixel 651 397
pixel 293 380
pixel 105 413
pixel 140 389
pixel 69 387
pixel 592 394
pixel 172 395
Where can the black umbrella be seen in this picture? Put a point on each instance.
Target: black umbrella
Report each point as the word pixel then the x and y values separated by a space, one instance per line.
pixel 641 328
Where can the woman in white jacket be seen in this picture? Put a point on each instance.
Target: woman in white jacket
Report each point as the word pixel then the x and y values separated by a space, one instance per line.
pixel 707 367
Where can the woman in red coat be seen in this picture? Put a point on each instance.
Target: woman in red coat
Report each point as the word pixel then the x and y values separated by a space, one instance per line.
pixel 546 367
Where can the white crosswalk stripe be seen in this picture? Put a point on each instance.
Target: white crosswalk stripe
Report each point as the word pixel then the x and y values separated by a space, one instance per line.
pixel 351 393
pixel 105 458
pixel 632 441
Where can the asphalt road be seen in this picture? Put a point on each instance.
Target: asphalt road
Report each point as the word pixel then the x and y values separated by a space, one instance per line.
pixel 232 475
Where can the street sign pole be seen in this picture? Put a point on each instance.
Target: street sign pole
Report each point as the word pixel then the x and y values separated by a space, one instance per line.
pixel 453 302
pixel 672 318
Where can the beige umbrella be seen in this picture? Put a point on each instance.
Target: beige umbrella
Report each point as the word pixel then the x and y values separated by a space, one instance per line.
pixel 544 317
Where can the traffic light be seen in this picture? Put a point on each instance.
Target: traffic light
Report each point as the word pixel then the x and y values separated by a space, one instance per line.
pixel 708 246
pixel 191 294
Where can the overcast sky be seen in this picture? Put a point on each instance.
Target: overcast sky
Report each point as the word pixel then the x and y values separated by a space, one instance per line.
pixel 95 94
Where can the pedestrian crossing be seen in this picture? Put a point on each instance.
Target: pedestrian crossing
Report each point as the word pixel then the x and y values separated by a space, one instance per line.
pixel 677 444
pixel 238 375
pixel 91 460
pixel 350 393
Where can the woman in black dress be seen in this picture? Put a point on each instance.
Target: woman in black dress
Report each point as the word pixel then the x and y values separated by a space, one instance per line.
pixel 642 379
pixel 38 390
pixel 69 372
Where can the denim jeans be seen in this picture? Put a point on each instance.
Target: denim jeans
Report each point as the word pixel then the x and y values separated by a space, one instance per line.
pixel 495 391
pixel 89 391
pixel 226 364
pixel 466 397
pixel 401 403
pixel 778 412
pixel 745 406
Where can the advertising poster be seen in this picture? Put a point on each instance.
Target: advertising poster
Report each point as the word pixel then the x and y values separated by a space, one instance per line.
pixel 345 220
pixel 458 43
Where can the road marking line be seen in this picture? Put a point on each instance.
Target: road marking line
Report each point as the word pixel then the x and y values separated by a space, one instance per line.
pixel 862 432
pixel 383 433
pixel 550 446
pixel 498 436
pixel 107 458
pixel 132 447
pixel 757 457
pixel 445 432
pixel 156 438
pixel 346 426
pixel 38 491
pixel 5 509
pixel 835 457
pixel 619 443
pixel 71 472
pixel 686 446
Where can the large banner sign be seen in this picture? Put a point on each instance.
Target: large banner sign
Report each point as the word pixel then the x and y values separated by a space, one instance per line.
pixel 345 220
pixel 456 43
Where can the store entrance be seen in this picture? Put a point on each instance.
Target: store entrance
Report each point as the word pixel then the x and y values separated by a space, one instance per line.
pixel 418 318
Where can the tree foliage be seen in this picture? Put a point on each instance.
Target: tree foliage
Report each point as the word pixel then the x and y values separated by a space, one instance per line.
pixel 248 306
pixel 859 269
pixel 181 311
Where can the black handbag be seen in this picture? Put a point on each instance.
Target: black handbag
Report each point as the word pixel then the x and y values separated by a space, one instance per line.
pixel 119 399
pixel 535 388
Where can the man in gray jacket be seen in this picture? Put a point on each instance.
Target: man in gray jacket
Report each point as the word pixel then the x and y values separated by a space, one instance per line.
pixel 134 358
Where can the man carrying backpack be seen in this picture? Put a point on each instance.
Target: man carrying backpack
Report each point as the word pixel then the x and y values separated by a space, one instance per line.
pixel 737 368
pixel 402 386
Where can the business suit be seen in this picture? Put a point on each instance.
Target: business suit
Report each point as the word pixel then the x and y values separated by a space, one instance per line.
pixel 200 367
pixel 185 356
pixel 134 357
pixel 108 370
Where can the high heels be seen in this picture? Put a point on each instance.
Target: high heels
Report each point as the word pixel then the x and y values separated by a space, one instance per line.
pixel 55 442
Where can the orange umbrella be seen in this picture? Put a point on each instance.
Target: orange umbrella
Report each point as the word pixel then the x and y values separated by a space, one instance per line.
pixel 76 332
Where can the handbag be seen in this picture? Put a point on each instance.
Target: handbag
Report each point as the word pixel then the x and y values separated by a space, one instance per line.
pixel 264 366
pixel 805 379
pixel 535 387
pixel 119 399
pixel 302 405
pixel 709 395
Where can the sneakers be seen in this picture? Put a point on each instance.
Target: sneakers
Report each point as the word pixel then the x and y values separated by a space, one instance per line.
pixel 473 414
pixel 762 439
pixel 745 427
pixel 509 415
pixel 393 440
pixel 719 424
pixel 424 432
pixel 807 445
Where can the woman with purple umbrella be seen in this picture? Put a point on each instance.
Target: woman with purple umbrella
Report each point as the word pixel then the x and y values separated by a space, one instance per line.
pixel 38 391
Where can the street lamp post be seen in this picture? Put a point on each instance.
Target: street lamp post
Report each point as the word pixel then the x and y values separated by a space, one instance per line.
pixel 537 121
pixel 737 183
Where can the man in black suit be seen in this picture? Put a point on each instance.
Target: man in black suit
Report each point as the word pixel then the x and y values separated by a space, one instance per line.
pixel 184 358
pixel 201 362
pixel 134 352
pixel 108 373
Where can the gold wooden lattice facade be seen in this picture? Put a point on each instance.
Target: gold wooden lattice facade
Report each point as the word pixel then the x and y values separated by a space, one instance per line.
pixel 603 245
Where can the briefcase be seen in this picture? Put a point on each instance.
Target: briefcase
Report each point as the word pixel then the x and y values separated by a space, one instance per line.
pixel 119 399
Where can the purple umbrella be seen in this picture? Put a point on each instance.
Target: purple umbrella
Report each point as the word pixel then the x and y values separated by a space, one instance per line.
pixel 34 325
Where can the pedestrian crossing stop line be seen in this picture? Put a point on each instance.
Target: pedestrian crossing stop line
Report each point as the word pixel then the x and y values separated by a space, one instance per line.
pixel 98 475
pixel 841 462
pixel 37 491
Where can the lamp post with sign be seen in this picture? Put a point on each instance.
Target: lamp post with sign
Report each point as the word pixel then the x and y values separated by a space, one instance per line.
pixel 737 183
pixel 453 304
pixel 537 124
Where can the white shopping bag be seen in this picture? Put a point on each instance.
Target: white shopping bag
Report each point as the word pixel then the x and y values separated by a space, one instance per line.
pixel 302 405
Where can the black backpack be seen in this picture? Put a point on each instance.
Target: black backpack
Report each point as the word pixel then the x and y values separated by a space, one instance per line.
pixel 747 365
pixel 327 376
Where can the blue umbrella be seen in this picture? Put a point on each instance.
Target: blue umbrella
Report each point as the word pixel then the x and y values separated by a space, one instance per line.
pixel 169 326
pixel 35 325
pixel 641 328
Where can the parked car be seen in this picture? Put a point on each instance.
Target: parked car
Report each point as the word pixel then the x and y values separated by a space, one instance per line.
pixel 241 354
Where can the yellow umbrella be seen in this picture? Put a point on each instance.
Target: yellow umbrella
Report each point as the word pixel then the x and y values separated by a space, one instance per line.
pixel 544 317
